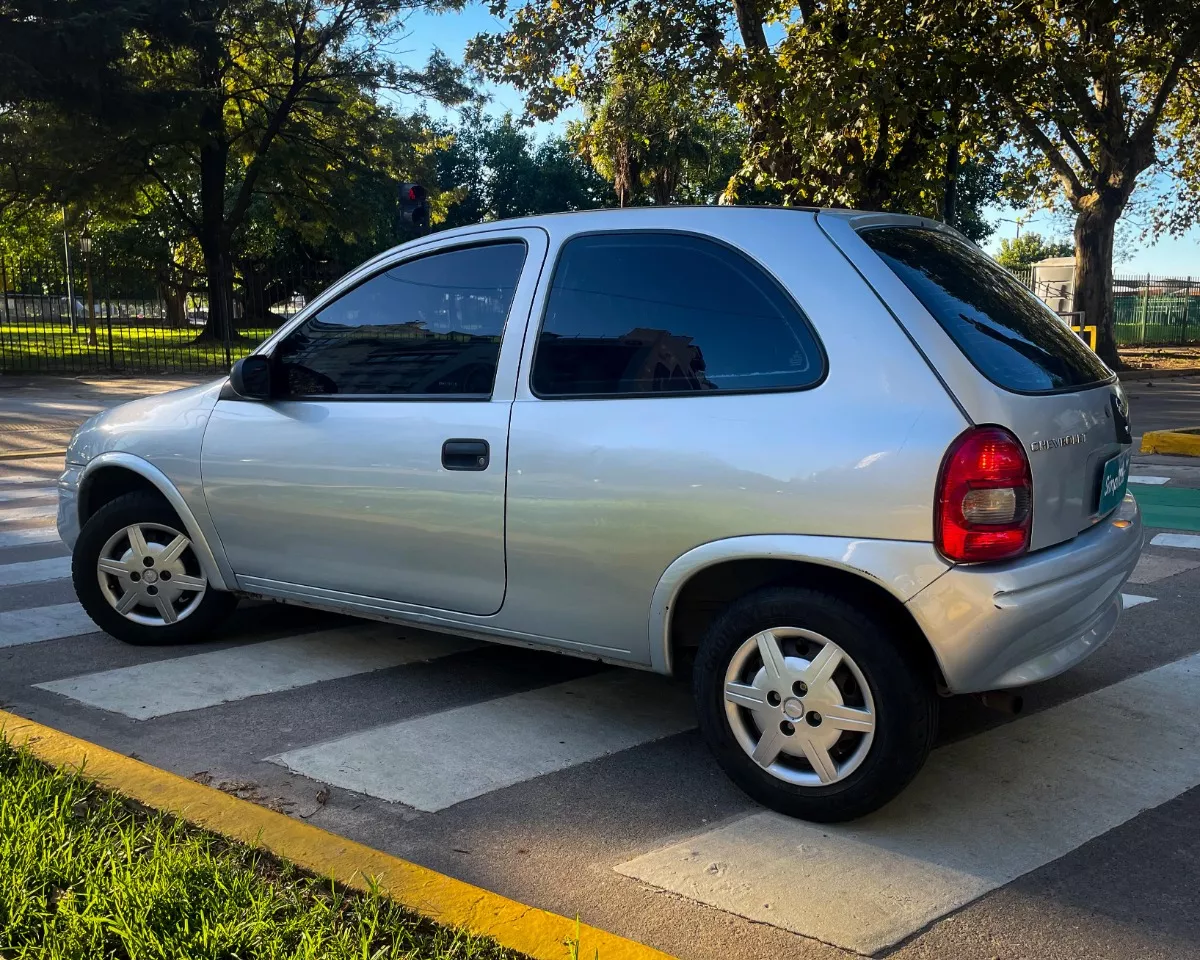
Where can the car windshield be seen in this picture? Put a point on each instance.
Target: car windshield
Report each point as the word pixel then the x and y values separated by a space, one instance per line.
pixel 1010 336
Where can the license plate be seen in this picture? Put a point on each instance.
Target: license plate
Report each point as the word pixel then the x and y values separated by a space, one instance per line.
pixel 1113 482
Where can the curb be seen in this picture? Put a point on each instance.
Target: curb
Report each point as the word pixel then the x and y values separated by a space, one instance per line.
pixel 529 930
pixel 32 454
pixel 1183 442
pixel 1130 376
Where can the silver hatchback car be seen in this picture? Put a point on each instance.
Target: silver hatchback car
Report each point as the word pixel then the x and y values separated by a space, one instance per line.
pixel 830 464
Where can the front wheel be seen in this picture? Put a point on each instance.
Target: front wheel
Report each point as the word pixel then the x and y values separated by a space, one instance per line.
pixel 137 575
pixel 812 707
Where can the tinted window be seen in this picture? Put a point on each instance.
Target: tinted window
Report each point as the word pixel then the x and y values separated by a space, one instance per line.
pixel 1011 336
pixel 428 326
pixel 646 313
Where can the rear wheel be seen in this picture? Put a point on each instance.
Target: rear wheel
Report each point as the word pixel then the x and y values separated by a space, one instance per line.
pixel 137 575
pixel 812 707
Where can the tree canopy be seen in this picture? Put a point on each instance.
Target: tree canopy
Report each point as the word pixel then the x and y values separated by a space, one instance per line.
pixel 1030 248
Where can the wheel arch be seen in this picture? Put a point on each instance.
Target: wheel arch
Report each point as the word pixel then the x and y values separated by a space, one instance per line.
pixel 112 475
pixel 697 585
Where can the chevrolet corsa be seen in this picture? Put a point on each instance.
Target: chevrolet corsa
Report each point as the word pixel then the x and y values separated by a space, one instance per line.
pixel 831 465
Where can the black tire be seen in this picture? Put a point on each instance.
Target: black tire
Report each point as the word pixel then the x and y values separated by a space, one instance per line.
pixel 138 508
pixel 902 688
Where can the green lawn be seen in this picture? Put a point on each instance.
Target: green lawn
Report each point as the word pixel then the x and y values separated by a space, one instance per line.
pixel 47 345
pixel 86 875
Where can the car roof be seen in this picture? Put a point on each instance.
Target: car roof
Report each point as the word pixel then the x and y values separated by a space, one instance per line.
pixel 678 216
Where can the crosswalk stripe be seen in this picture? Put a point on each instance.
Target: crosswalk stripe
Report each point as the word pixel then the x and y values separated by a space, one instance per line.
pixel 15 514
pixel 205 679
pixel 28 493
pixel 1152 481
pixel 34 625
pixel 435 761
pixel 1187 540
pixel 34 571
pixel 1152 567
pixel 28 536
pixel 1132 600
pixel 6 479
pixel 985 811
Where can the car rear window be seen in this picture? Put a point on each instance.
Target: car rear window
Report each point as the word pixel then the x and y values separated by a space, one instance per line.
pixel 1011 337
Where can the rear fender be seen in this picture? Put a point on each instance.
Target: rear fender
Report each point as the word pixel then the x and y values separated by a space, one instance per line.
pixel 902 567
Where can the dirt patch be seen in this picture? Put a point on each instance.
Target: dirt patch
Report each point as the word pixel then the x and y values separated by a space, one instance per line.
pixel 1162 358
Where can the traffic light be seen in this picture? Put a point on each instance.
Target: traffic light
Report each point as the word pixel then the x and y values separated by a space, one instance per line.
pixel 414 204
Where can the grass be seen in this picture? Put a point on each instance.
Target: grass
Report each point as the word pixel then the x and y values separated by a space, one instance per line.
pixel 87 874
pixel 48 345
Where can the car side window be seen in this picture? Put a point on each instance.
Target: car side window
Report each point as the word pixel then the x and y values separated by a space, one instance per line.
pixel 632 314
pixel 429 326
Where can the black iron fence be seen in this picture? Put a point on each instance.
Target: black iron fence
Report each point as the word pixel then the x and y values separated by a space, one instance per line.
pixel 126 321
pixel 52 321
pixel 1148 311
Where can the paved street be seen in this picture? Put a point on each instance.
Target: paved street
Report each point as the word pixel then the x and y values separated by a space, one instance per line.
pixel 1066 832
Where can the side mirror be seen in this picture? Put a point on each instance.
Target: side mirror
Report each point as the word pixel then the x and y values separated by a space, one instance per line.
pixel 250 378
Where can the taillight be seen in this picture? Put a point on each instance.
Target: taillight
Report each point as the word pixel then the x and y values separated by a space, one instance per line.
pixel 984 509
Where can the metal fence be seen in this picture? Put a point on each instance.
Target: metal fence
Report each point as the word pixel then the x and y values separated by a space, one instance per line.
pixel 1151 311
pixel 1148 311
pixel 135 324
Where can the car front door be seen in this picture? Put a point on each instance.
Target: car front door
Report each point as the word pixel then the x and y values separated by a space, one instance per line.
pixel 377 469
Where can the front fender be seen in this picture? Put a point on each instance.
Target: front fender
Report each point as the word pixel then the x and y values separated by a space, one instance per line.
pixel 902 567
pixel 217 571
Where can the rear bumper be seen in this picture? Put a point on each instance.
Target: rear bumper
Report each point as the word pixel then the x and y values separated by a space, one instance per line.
pixel 1007 625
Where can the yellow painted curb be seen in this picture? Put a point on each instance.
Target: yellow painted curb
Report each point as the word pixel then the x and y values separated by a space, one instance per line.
pixel 32 454
pixel 1184 442
pixel 535 932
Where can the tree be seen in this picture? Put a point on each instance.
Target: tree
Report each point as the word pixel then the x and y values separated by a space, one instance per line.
pixel 858 104
pixel 659 138
pixel 223 103
pixel 1030 248
pixel 1099 92
pixel 492 168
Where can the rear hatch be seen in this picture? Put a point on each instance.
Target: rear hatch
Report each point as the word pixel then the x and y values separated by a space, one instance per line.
pixel 1008 360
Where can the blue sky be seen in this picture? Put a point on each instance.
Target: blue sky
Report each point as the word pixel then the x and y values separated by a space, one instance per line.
pixel 1169 256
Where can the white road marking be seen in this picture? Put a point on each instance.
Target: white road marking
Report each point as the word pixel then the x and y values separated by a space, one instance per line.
pixel 28 536
pixel 48 511
pixel 435 761
pixel 983 812
pixel 1152 568
pixel 221 676
pixel 1132 600
pixel 34 571
pixel 25 478
pixel 1188 540
pixel 28 493
pixel 1154 481
pixel 44 623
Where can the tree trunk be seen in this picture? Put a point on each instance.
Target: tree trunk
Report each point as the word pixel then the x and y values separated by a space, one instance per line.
pixel 218 268
pixel 950 185
pixel 1095 227
pixel 175 299
pixel 215 240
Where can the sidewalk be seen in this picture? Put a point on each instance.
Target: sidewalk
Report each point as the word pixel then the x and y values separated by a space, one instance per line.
pixel 39 414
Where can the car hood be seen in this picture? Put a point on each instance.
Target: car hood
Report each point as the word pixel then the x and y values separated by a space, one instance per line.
pixel 167 425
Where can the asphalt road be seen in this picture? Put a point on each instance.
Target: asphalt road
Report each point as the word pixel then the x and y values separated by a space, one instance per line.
pixel 1066 832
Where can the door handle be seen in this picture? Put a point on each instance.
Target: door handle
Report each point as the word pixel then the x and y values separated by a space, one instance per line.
pixel 466 455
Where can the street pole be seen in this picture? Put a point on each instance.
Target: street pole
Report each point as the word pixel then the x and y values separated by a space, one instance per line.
pixel 70 280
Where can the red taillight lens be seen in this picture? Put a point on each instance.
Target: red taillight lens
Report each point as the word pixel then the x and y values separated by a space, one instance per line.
pixel 984 509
